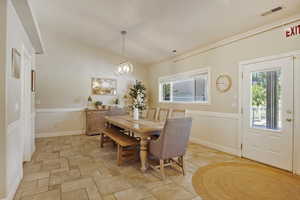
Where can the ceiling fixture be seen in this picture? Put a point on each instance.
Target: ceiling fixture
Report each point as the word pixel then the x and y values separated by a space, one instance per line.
pixel 272 11
pixel 125 67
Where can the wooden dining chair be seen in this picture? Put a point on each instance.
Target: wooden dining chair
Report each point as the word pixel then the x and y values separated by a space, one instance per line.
pixel 172 143
pixel 151 114
pixel 177 113
pixel 163 114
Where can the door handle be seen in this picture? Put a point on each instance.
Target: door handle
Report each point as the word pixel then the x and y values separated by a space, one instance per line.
pixel 289 119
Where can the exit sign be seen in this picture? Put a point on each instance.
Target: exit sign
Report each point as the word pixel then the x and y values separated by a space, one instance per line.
pixel 292 31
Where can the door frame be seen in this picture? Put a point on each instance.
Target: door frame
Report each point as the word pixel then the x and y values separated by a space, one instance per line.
pixel 292 54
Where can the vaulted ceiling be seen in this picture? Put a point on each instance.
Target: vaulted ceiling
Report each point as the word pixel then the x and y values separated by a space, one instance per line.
pixel 155 27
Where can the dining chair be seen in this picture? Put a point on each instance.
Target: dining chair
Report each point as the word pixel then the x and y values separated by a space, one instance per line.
pixel 172 143
pixel 116 111
pixel 177 113
pixel 151 114
pixel 163 114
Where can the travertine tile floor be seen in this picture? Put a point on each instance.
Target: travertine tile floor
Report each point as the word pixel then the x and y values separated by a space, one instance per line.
pixel 75 168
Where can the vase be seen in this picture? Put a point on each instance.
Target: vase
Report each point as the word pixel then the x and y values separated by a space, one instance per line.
pixel 135 114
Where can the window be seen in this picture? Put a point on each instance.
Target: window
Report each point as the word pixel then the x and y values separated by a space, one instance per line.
pixel 189 87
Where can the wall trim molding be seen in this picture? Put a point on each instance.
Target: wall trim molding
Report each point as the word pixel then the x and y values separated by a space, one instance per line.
pixel 235 116
pixel 30 24
pixel 232 39
pixel 13 189
pixel 270 58
pixel 229 150
pixel 13 125
pixel 54 110
pixel 59 133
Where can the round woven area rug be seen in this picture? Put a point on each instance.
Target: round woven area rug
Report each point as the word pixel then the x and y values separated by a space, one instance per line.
pixel 243 181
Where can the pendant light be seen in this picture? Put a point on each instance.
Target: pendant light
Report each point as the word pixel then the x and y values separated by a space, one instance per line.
pixel 125 67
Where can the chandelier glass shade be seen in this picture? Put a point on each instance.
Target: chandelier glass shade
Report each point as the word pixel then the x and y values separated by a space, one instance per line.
pixel 124 67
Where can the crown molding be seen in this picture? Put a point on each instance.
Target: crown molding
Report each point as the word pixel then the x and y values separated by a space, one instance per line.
pixel 30 24
pixel 232 39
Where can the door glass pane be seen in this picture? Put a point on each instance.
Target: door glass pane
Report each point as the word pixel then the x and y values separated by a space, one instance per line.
pixel 265 108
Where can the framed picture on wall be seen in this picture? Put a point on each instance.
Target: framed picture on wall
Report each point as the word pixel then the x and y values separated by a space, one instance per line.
pixel 33 79
pixel 104 86
pixel 16 64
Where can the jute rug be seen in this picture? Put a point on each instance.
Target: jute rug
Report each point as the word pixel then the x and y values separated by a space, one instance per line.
pixel 243 181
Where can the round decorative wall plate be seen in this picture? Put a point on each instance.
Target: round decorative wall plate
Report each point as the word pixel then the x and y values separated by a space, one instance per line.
pixel 223 83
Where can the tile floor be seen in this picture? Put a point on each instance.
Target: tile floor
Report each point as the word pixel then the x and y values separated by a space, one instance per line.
pixel 75 168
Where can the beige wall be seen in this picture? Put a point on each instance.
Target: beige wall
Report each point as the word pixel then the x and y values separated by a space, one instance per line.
pixel 2 97
pixel 224 60
pixel 65 70
pixel 217 125
pixel 64 75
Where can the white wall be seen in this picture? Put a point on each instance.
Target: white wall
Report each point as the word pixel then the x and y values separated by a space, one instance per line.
pixel 64 81
pixel 16 38
pixel 2 97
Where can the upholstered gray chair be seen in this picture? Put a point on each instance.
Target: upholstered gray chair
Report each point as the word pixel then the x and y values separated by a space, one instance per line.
pixel 172 143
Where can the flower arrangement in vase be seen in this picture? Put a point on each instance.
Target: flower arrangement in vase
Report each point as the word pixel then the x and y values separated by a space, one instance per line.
pixel 137 94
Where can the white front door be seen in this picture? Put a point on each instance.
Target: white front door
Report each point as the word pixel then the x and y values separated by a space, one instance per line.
pixel 268 112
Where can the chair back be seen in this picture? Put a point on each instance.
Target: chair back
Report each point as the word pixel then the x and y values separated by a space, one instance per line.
pixel 163 114
pixel 116 111
pixel 151 114
pixel 175 137
pixel 177 113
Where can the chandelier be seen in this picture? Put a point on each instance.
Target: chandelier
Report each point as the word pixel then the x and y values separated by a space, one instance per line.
pixel 124 67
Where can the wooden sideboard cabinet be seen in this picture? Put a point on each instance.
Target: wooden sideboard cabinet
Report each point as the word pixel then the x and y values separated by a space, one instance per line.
pixel 95 121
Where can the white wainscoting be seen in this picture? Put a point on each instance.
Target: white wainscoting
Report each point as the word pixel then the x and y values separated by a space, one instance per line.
pixel 216 130
pixel 14 158
pixel 59 122
pixel 211 129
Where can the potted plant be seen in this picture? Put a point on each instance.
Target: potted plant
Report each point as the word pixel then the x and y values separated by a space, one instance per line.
pixel 98 104
pixel 137 95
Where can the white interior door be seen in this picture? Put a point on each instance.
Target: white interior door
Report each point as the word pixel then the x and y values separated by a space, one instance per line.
pixel 268 112
pixel 26 107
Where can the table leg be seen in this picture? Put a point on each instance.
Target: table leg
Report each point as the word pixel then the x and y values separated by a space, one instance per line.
pixel 144 153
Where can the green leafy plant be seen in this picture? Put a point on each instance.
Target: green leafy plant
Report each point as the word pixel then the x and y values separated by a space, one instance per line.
pixel 137 94
pixel 98 103
pixel 259 95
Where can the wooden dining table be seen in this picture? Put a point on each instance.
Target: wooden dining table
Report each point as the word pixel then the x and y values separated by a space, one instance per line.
pixel 142 128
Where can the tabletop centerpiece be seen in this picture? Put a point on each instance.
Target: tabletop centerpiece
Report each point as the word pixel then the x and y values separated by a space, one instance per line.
pixel 137 95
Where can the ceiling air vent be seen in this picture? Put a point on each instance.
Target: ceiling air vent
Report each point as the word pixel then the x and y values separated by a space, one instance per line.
pixel 272 11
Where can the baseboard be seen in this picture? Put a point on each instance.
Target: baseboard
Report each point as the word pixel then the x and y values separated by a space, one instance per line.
pixel 60 133
pixel 13 189
pixel 216 146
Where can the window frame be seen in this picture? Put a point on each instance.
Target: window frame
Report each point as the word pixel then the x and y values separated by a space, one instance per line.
pixel 183 77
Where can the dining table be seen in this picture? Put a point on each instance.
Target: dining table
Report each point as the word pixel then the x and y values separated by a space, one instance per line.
pixel 142 128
